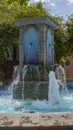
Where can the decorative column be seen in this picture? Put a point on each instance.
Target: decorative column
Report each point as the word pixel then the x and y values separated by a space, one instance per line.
pixel 53 44
pixel 42 44
pixel 21 48
pixel 50 57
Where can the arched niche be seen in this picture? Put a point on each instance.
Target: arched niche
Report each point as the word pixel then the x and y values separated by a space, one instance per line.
pixel 31 47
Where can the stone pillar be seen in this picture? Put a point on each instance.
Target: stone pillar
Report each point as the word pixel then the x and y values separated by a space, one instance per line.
pixel 50 48
pixel 42 44
pixel 21 47
pixel 45 44
pixel 53 44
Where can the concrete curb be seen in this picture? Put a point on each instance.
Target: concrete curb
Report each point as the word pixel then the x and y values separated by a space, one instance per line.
pixel 37 121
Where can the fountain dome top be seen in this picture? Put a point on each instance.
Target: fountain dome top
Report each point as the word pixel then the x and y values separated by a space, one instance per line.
pixel 37 20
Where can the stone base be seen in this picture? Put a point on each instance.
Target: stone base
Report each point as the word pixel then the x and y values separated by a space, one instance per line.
pixel 33 83
pixel 31 90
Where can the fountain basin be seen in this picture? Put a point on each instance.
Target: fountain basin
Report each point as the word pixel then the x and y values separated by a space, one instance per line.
pixel 10 105
pixel 34 120
pixel 39 116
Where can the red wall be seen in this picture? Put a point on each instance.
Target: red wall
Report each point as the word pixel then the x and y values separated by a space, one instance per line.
pixel 69 68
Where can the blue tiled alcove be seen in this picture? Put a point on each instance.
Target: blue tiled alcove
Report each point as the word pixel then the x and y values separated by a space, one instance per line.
pixel 31 47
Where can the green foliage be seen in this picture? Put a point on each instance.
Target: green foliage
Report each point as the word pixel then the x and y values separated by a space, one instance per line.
pixel 69 25
pixel 13 9
pixel 8 38
pixel 60 40
pixel 20 2
pixel 8 34
pixel 64 39
pixel 32 10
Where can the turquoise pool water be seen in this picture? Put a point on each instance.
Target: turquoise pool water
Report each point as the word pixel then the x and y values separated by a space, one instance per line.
pixel 10 105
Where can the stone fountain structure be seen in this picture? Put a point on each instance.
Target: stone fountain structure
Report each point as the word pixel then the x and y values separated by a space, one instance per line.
pixel 36 56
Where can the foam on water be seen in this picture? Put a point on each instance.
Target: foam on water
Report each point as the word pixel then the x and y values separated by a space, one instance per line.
pixel 8 105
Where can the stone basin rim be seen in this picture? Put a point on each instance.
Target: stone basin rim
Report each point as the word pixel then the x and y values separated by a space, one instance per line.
pixel 35 120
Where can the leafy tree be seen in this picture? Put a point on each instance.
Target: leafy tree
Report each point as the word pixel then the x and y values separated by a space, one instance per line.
pixel 20 2
pixel 69 26
pixel 61 45
pixel 8 39
pixel 63 39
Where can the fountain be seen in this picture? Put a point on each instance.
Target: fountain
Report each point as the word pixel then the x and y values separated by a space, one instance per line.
pixel 34 95
pixel 36 57
pixel 36 52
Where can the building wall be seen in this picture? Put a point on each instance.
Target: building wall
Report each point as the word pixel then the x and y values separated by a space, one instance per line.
pixel 68 66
